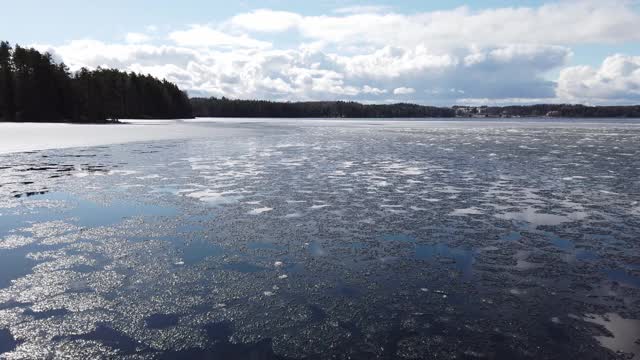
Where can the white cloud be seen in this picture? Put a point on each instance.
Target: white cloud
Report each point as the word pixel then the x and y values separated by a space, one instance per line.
pixel 137 38
pixel 204 36
pixel 566 22
pixel 440 58
pixel 304 74
pixel 92 53
pixel 265 20
pixel 373 90
pixel 617 80
pixel 404 91
pixel 507 101
pixel 390 62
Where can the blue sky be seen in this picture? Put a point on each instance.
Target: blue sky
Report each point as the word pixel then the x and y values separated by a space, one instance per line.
pixel 440 52
pixel 51 22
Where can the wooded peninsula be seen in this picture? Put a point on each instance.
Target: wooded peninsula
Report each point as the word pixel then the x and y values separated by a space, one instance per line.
pixel 34 88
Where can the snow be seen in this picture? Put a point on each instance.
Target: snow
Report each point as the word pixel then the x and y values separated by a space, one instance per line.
pixel 19 137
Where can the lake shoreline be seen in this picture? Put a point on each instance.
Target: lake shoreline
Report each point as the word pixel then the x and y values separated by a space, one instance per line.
pixel 523 119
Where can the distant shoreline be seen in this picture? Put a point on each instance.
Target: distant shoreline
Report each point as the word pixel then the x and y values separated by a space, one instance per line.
pixel 229 108
pixel 107 122
pixel 407 118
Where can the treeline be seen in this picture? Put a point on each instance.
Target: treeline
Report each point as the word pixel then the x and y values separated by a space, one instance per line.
pixel 599 111
pixel 223 107
pixel 35 88
pixel 551 110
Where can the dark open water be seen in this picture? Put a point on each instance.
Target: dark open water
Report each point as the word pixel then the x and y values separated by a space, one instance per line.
pixel 500 241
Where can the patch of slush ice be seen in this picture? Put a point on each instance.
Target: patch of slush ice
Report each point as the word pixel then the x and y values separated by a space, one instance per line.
pixel 169 190
pixel 572 178
pixel 383 183
pixel 465 212
pixel 287 145
pixel 122 172
pixel 531 216
pixel 319 206
pixel 411 171
pixel 448 190
pixel 15 241
pixel 259 211
pixel 517 292
pixel 625 333
pixel 147 177
pixel 216 198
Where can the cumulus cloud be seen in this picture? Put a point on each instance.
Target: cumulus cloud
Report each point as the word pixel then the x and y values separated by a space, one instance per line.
pixel 265 20
pixel 92 53
pixel 373 90
pixel 300 74
pixel 567 22
pixel 376 55
pixel 616 80
pixel 137 38
pixel 204 36
pixel 404 91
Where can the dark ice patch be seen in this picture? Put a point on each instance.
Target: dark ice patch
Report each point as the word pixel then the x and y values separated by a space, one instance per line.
pixel 45 314
pixel 162 321
pixel 243 267
pixel 7 341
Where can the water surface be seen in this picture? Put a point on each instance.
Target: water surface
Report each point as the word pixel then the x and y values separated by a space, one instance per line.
pixel 326 239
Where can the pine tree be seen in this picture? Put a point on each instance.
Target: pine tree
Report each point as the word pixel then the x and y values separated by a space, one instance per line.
pixel 7 86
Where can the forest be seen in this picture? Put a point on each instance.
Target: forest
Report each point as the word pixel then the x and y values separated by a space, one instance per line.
pixel 223 107
pixel 34 88
pixel 550 110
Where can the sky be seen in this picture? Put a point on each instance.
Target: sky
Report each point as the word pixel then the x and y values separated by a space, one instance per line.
pixel 427 52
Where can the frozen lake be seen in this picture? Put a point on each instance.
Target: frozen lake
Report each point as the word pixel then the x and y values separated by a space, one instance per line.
pixel 286 239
